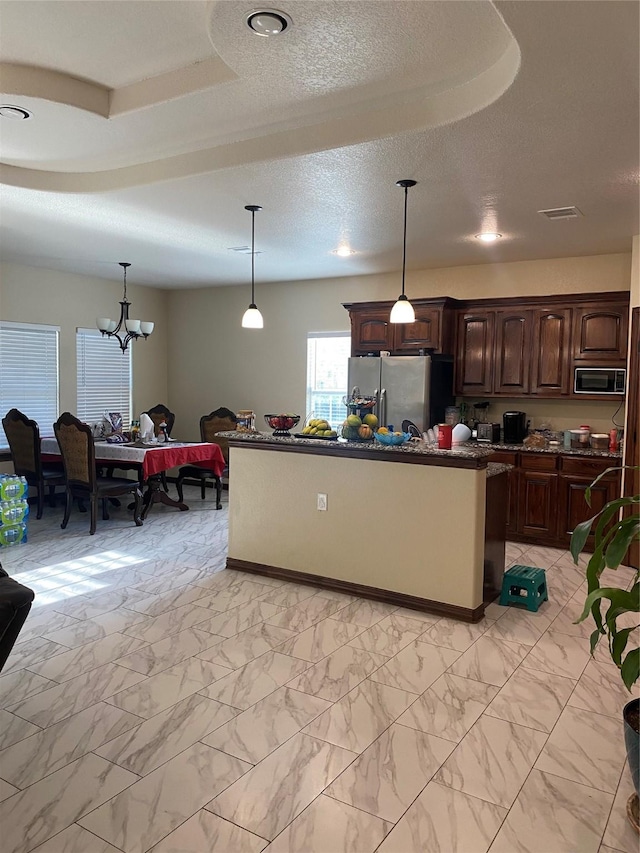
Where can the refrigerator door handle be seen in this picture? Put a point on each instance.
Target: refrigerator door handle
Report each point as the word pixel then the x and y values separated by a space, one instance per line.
pixel 383 407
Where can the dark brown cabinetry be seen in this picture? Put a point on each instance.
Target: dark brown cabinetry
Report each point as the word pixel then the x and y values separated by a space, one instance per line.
pixel 474 363
pixel 550 361
pixel 494 352
pixel 600 333
pixel 371 330
pixel 512 353
pixel 517 347
pixel 546 495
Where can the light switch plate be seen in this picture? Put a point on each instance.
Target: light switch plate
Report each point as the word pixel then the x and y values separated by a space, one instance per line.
pixel 322 502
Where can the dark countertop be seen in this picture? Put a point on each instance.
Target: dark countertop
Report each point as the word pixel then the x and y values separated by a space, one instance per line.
pixel 520 448
pixel 472 456
pixel 495 468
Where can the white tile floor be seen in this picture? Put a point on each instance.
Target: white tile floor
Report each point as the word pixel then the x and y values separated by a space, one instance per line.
pixel 156 701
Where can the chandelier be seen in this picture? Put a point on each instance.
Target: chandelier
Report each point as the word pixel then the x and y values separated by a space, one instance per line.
pixel 132 329
pixel 402 311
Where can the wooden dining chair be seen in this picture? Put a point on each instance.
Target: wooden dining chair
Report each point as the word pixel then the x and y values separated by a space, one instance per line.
pixel 221 420
pixel 161 415
pixel 23 436
pixel 81 479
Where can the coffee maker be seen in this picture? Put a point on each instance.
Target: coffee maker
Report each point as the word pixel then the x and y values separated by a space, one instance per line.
pixel 515 427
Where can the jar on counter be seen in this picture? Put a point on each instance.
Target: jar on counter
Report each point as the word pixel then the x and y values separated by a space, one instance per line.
pixel 246 420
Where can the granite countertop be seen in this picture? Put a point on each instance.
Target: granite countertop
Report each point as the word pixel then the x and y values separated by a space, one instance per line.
pixel 469 451
pixel 520 448
pixel 495 468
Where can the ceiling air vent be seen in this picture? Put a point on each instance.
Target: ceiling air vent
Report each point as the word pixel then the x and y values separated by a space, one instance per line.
pixel 561 213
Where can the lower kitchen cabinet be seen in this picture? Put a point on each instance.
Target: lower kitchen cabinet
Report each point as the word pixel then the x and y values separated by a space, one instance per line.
pixel 546 495
pixel 537 504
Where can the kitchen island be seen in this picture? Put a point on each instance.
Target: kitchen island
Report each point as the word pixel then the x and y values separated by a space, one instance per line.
pixel 402 524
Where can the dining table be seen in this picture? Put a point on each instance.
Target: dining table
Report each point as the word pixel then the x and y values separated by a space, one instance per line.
pixel 149 460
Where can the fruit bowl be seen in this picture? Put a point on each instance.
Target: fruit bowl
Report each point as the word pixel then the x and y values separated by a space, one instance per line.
pixel 392 439
pixel 281 424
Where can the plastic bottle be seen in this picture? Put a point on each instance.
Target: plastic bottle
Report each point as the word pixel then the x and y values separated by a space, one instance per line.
pixel 13 534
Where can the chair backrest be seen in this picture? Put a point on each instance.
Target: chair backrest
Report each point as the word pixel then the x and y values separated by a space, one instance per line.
pixel 221 420
pixel 77 449
pixel 23 436
pixel 160 414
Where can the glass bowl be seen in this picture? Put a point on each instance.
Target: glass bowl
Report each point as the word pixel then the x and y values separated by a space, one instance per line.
pixel 391 439
pixel 281 424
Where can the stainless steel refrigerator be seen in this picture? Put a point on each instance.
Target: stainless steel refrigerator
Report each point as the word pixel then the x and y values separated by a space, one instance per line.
pixel 415 388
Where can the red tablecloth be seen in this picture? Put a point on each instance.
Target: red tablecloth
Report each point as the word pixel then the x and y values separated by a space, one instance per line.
pixel 152 460
pixel 161 459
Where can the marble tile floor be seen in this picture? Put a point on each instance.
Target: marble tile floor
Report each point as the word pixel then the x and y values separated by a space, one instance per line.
pixel 158 702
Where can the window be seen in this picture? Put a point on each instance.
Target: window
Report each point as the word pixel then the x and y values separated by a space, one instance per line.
pixel 29 373
pixel 104 377
pixel 327 363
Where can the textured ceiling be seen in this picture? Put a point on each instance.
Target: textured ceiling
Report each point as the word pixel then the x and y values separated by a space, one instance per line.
pixel 154 123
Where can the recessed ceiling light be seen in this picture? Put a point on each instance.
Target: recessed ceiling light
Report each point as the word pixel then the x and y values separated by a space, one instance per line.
pixel 343 251
pixel 10 111
pixel 488 237
pixel 268 22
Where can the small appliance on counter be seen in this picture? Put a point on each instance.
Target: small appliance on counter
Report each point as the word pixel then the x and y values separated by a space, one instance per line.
pixel 515 427
pixel 489 432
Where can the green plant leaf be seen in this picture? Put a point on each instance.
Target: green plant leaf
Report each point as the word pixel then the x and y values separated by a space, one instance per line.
pixel 579 537
pixel 630 669
pixel 619 644
pixel 627 530
pixel 594 639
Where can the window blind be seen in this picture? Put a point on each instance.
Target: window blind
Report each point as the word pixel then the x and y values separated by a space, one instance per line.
pixel 327 363
pixel 103 377
pixel 29 373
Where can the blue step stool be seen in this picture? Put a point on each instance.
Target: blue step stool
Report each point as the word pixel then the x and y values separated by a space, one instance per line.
pixel 524 585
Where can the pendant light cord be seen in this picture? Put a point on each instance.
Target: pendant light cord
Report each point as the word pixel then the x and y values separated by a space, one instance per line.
pixel 253 255
pixel 404 236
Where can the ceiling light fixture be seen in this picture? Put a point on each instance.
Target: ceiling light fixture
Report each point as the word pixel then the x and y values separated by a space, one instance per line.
pixel 268 22
pixel 133 328
pixel 343 251
pixel 488 237
pixel 252 318
pixel 402 311
pixel 11 111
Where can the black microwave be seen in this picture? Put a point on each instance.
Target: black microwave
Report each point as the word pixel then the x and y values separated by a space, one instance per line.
pixel 599 380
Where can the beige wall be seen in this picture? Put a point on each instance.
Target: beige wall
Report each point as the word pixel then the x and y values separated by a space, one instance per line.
pixel 217 363
pixel 389 525
pixel 35 295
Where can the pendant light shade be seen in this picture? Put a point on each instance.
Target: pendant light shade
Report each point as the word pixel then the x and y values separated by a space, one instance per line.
pixel 252 318
pixel 402 311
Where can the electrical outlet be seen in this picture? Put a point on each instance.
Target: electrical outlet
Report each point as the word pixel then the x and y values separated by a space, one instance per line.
pixel 322 502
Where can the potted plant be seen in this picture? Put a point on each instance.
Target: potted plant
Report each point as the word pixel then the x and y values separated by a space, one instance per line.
pixel 613 535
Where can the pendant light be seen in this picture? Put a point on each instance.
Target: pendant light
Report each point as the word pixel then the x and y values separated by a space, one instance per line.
pixel 252 318
pixel 402 311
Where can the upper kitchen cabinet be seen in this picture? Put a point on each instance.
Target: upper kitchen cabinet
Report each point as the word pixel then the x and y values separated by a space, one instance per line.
pixel 475 353
pixel 512 353
pixel 433 329
pixel 600 333
pixel 550 361
pixel 494 352
pixel 371 330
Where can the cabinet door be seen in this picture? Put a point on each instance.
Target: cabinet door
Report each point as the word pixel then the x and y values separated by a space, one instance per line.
pixel 425 333
pixel 371 331
pixel 474 367
pixel 512 488
pixel 551 362
pixel 512 353
pixel 573 506
pixel 600 334
pixel 537 505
